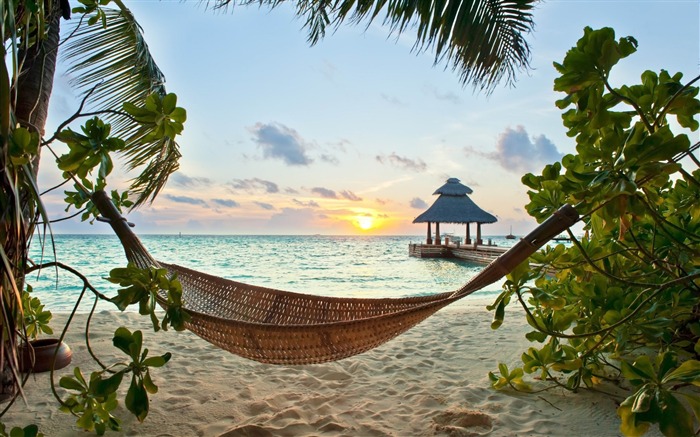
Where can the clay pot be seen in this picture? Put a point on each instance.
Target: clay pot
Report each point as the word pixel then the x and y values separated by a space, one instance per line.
pixel 44 350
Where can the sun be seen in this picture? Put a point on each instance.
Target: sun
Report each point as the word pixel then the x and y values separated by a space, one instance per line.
pixel 365 222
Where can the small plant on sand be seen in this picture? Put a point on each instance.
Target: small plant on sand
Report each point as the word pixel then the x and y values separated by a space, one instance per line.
pixel 623 302
pixel 36 318
pixel 93 401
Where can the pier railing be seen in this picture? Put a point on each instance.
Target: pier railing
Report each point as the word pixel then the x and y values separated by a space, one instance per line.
pixel 479 253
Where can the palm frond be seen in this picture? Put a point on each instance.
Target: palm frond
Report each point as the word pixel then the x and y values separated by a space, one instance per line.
pixel 161 160
pixel 483 40
pixel 118 61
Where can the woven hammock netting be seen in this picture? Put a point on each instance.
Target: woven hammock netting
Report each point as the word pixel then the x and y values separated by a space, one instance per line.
pixel 282 327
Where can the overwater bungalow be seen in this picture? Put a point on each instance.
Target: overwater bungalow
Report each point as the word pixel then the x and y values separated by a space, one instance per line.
pixel 453 205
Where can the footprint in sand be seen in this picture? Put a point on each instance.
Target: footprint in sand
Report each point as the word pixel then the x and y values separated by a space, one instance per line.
pixel 463 423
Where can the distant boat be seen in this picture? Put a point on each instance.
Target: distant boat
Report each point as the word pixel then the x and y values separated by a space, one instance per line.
pixel 510 236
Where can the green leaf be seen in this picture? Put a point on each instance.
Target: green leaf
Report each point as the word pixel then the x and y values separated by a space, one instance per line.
pixel 123 339
pixel 79 376
pixel 136 400
pixel 497 382
pixel 507 378
pixel 640 370
pixel 675 421
pixel 157 361
pixel 567 365
pixel 498 315
pixel 105 387
pixel 70 383
pixel 86 420
pixel 630 424
pixel 148 383
pixel 688 372
pixel 694 402
pixel 536 336
pixel 28 431
pixel 169 103
pixel 665 362
pixel 643 398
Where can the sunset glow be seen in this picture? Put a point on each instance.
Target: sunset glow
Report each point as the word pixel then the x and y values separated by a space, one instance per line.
pixel 355 135
pixel 365 222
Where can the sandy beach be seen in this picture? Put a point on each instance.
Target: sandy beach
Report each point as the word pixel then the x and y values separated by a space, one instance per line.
pixel 432 380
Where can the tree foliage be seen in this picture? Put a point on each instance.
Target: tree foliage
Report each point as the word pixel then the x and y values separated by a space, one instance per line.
pixel 624 299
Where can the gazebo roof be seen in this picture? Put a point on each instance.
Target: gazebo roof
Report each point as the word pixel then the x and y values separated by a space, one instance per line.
pixel 453 188
pixel 454 206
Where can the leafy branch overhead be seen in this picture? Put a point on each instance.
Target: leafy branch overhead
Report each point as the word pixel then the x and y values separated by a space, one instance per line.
pixel 623 301
pixel 111 45
pixel 482 40
pixel 88 151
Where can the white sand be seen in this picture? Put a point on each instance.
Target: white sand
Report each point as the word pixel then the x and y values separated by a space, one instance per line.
pixel 432 380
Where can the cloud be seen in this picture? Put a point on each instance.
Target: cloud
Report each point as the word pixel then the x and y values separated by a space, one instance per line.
pixel 402 162
pixel 350 196
pixel 183 180
pixel 329 70
pixel 184 199
pixel 292 220
pixel 517 152
pixel 418 203
pixel 448 96
pixel 280 142
pixel 228 203
pixel 330 159
pixel 264 205
pixel 253 185
pixel 309 204
pixel 324 192
pixel 393 100
pixel 341 145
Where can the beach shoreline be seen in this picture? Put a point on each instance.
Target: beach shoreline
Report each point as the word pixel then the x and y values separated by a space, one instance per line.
pixel 432 380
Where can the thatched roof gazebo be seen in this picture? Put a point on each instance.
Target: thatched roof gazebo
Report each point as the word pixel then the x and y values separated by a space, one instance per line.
pixel 454 206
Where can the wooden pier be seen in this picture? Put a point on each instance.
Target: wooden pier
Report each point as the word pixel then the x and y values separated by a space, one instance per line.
pixel 483 254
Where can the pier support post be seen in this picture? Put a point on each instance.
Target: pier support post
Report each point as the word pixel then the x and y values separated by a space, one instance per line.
pixel 429 240
pixel 437 233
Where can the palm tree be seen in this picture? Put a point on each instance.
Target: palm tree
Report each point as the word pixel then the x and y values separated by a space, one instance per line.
pixel 482 40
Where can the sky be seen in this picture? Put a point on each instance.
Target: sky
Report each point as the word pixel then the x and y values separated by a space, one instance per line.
pixel 353 135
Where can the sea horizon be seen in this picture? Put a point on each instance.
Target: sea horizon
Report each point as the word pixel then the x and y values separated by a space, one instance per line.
pixel 483 236
pixel 348 266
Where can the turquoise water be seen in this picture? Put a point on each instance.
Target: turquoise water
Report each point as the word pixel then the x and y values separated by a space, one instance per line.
pixel 356 266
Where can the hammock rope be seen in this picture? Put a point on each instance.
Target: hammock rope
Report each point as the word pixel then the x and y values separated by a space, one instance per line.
pixel 281 327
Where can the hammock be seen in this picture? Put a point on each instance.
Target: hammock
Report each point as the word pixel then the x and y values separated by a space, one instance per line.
pixel 281 327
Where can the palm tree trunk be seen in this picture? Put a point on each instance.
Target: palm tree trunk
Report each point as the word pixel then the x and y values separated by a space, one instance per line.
pixel 32 94
pixel 36 78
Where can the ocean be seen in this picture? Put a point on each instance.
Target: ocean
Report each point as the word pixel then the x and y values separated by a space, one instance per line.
pixel 349 266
